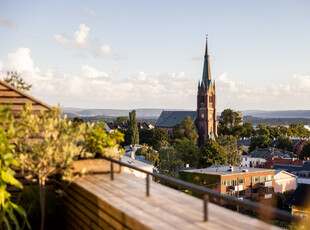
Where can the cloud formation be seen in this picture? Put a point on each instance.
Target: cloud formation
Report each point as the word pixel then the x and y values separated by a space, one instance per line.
pixel 81 42
pixel 93 88
pixel 6 23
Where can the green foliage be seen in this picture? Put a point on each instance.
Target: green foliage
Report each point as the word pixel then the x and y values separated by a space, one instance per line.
pixel 233 151
pixel 299 130
pixel 230 123
pixel 13 78
pixel 284 143
pixel 248 130
pixel 78 120
pixel 122 119
pixel 202 179
pixel 284 131
pixel 8 209
pixel 157 138
pixel 305 152
pixel 98 141
pixel 132 134
pixel 185 130
pixel 281 198
pixel 263 130
pixel 260 141
pixel 189 152
pixel 212 153
pixel 149 153
pixel 170 161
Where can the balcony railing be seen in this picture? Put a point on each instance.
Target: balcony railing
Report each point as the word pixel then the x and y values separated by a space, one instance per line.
pixel 207 193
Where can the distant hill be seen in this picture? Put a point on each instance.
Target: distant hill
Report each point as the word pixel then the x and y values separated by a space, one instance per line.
pixel 277 113
pixel 142 113
pixel 155 113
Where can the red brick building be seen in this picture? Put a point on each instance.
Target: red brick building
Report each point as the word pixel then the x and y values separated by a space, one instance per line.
pixel 205 117
pixel 243 182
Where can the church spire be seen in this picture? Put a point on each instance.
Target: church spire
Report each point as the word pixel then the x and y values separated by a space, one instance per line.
pixel 206 75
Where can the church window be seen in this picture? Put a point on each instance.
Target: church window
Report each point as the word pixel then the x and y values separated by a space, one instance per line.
pixel 210 99
pixel 202 99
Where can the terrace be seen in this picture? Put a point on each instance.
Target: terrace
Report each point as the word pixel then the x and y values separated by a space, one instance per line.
pixel 123 201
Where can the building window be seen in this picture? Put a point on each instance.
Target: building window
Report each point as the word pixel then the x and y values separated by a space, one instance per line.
pixel 210 99
pixel 202 99
pixel 241 180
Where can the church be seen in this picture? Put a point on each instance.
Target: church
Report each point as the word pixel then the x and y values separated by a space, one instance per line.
pixel 204 117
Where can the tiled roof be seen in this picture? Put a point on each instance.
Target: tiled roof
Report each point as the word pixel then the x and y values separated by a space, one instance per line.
pixel 294 168
pixel 169 119
pixel 266 153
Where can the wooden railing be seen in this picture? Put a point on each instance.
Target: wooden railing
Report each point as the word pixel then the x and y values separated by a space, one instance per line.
pixel 207 193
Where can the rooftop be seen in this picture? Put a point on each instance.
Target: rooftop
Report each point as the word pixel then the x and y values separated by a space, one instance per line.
pixel 169 119
pixel 223 170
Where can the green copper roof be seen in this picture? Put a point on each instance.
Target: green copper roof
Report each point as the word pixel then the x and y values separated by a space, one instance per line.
pixel 206 75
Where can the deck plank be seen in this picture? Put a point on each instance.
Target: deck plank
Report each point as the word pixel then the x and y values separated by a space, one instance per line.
pixel 165 208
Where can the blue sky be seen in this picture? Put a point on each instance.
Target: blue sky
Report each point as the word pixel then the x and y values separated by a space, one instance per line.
pixel 148 54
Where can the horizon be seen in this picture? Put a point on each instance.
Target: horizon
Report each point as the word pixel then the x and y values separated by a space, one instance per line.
pixel 103 56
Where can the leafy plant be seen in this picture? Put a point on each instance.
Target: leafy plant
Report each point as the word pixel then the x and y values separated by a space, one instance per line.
pixel 14 78
pixel 47 145
pixel 98 141
pixel 7 207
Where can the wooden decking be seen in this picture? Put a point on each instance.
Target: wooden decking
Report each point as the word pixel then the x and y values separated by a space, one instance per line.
pixel 96 202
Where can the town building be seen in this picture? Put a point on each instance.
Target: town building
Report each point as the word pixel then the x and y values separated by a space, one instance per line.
pixel 271 161
pixel 301 171
pixel 258 157
pixel 284 181
pixel 242 182
pixel 205 117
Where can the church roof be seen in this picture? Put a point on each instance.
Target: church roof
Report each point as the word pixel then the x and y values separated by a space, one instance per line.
pixel 17 98
pixel 206 75
pixel 169 119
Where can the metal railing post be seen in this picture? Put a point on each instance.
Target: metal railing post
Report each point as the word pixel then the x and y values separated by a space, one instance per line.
pixel 147 185
pixel 112 171
pixel 205 207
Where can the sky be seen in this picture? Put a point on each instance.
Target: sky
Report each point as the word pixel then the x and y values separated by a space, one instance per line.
pixel 149 54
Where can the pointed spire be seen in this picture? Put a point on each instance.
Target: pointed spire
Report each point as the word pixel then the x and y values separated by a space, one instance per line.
pixel 206 76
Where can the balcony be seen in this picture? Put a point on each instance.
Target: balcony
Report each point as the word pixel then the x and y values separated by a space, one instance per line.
pixel 236 188
pixel 266 184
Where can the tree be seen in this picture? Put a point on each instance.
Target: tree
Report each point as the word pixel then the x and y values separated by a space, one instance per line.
pixel 248 130
pixel 132 134
pixel 149 153
pixel 98 141
pixel 160 138
pixel 233 151
pixel 284 131
pixel 7 207
pixel 170 161
pixel 46 145
pixel 299 130
pixel 230 123
pixel 284 143
pixel 263 130
pixel 185 130
pixel 189 152
pixel 78 120
pixel 212 153
pixel 260 141
pixel 13 78
pixel 122 119
pixel 305 152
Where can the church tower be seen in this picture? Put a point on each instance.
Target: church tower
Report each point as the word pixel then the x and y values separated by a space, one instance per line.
pixel 206 104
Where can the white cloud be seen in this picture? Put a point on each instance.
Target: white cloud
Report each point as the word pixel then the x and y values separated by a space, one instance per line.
pixel 81 41
pixel 240 95
pixel 6 23
pixel 100 89
pixel 89 11
pixel 21 61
